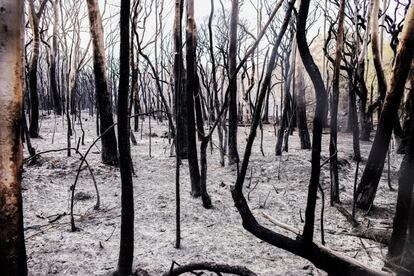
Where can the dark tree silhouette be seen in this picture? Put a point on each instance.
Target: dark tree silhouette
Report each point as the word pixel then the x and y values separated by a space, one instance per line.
pixel 126 252
pixel 189 91
pixel 321 105
pixel 233 118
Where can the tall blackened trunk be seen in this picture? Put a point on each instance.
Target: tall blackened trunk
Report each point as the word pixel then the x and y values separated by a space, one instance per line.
pixel 57 105
pixel 375 164
pixel 333 145
pixel 189 91
pixel 287 102
pixel 352 86
pixel 365 117
pixel 301 117
pixel 103 97
pixel 126 252
pixel 321 106
pixel 233 102
pixel 12 248
pixel 198 107
pixel 403 211
pixel 376 54
pixel 300 92
pixel 180 107
pixel 34 97
pixel 215 84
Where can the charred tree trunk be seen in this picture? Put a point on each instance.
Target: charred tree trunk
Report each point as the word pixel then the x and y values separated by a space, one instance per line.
pixel 403 211
pixel 126 252
pixel 333 145
pixel 375 164
pixel 353 114
pixel 103 97
pixel 321 105
pixel 300 91
pixel 376 54
pixel 12 248
pixel 34 97
pixel 365 117
pixel 215 84
pixel 198 108
pixel 57 105
pixel 190 87
pixel 286 108
pixel 180 101
pixel 233 102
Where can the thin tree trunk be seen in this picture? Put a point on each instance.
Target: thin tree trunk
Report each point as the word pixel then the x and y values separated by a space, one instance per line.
pixel 34 97
pixel 286 107
pixel 321 105
pixel 354 117
pixel 198 108
pixel 126 252
pixel 233 121
pixel 333 145
pixel 180 102
pixel 376 54
pixel 215 85
pixel 190 87
pixel 54 49
pixel 301 117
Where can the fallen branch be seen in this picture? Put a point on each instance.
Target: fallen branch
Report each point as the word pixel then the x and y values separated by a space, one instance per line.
pixel 282 225
pixel 321 256
pixel 212 267
pixel 375 234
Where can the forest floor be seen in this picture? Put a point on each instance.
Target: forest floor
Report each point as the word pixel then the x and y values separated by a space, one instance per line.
pixel 278 188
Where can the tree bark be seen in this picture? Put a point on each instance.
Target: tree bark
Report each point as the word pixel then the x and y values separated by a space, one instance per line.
pixel 34 97
pixel 404 200
pixel 321 105
pixel 300 91
pixel 109 151
pixel 190 87
pixel 233 156
pixel 352 86
pixel 376 53
pixel 57 105
pixel 215 85
pixel 126 252
pixel 372 174
pixel 12 248
pixel 287 102
pixel 333 145
pixel 180 101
